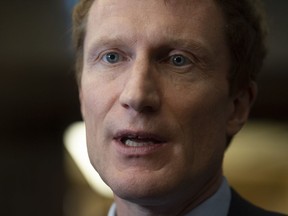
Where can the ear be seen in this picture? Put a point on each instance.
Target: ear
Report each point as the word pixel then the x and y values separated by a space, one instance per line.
pixel 240 108
pixel 81 103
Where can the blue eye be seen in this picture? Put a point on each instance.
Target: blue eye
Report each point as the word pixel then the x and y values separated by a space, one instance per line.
pixel 111 57
pixel 179 60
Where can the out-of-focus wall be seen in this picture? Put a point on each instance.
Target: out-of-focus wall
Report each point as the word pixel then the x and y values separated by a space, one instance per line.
pixel 256 164
pixel 38 101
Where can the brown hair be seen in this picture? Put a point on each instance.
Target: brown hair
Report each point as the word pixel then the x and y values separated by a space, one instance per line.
pixel 245 32
pixel 80 14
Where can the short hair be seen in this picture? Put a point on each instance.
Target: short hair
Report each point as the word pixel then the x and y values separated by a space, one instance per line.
pixel 245 31
pixel 79 18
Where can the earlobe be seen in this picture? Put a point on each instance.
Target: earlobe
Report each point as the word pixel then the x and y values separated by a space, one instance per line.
pixel 241 105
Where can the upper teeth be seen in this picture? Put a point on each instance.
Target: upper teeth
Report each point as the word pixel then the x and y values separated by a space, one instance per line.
pixel 137 143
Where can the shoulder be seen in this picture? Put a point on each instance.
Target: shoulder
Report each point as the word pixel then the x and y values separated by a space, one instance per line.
pixel 241 207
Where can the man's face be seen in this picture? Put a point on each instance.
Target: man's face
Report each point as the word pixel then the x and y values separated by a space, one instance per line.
pixel 155 96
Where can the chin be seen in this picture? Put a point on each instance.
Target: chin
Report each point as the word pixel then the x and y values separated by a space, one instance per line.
pixel 149 190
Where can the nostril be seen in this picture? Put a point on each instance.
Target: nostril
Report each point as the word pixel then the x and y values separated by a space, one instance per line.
pixel 126 106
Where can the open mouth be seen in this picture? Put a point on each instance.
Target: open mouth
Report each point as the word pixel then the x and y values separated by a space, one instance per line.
pixel 138 140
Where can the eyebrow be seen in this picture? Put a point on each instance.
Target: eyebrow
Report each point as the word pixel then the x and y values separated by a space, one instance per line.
pixel 190 44
pixel 118 40
pixel 104 41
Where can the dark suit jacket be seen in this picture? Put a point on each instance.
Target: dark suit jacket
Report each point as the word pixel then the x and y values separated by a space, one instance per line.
pixel 241 207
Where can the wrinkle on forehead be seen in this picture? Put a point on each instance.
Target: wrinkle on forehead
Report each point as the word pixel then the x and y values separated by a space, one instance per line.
pixel 186 9
pixel 145 12
pixel 174 7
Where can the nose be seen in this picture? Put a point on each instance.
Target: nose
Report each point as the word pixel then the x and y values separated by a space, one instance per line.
pixel 141 89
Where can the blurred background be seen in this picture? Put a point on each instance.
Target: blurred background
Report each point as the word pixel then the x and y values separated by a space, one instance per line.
pixel 39 175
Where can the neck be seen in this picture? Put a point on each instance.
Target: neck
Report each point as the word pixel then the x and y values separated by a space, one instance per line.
pixel 174 205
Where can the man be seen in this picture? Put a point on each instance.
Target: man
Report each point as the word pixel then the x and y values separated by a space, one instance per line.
pixel 164 85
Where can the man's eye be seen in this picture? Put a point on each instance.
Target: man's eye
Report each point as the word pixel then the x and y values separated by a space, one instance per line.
pixel 112 57
pixel 179 60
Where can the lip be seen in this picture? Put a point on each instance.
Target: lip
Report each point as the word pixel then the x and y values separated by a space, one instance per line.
pixel 137 151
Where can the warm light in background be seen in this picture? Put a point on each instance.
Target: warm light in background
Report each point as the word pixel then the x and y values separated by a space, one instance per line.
pixel 75 143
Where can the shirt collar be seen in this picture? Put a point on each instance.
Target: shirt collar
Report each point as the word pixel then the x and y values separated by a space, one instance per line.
pixel 112 210
pixel 216 205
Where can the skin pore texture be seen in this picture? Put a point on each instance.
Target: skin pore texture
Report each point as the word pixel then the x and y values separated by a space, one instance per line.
pixel 155 100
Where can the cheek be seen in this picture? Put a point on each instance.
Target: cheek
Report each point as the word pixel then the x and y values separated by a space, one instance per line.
pixel 202 120
pixel 92 108
pixel 94 115
pixel 96 100
pixel 200 110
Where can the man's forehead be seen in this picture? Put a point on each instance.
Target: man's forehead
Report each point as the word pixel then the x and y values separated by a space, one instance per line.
pixel 169 13
pixel 173 6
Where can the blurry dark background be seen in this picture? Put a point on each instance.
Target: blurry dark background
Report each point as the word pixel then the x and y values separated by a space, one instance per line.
pixel 39 99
